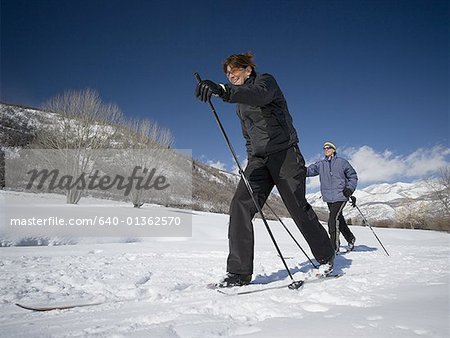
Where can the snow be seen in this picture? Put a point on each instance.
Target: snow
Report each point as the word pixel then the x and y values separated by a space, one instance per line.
pixel 156 287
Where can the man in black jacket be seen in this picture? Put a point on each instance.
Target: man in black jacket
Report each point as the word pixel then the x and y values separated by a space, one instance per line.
pixel 274 159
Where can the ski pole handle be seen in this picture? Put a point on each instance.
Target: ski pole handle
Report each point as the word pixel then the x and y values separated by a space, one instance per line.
pixel 197 76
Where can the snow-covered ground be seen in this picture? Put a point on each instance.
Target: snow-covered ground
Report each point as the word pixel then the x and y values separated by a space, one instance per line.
pixel 157 287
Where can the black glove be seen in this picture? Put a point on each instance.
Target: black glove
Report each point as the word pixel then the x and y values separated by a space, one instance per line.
pixel 206 88
pixel 347 192
pixel 353 198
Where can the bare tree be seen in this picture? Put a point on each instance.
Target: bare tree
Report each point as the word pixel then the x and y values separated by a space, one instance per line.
pixel 85 124
pixel 440 189
pixel 413 213
pixel 146 134
pixel 149 145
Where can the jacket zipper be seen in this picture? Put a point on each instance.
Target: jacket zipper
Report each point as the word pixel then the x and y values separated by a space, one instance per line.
pixel 329 163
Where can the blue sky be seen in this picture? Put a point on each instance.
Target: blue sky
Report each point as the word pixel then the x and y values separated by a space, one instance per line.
pixel 372 76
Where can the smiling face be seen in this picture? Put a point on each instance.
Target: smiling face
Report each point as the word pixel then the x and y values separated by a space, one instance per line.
pixel 237 76
pixel 328 151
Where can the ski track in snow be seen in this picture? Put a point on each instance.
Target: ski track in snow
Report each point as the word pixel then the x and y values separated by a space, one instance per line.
pixel 157 288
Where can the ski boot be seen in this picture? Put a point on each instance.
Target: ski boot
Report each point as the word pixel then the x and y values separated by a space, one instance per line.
pixel 234 279
pixel 326 268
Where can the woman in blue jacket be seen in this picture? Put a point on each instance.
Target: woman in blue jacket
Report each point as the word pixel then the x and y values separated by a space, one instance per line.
pixel 338 181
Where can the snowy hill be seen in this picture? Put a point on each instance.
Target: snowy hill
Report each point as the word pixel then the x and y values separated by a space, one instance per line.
pixel 157 287
pixel 18 124
pixel 381 201
pixel 212 188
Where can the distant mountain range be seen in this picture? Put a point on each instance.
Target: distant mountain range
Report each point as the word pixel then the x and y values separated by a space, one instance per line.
pixel 381 201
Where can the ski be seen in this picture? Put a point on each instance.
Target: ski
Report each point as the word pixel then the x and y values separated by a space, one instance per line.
pixel 345 251
pixel 54 307
pixel 228 293
pixel 286 257
pixel 319 278
pixel 231 292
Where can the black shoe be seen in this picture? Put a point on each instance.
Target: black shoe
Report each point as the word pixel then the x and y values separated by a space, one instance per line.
pixel 351 244
pixel 234 279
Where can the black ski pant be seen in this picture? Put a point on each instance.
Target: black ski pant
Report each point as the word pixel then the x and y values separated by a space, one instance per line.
pixel 286 170
pixel 337 224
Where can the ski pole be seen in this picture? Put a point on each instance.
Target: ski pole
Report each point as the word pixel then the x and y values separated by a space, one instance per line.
pixel 295 284
pixel 353 198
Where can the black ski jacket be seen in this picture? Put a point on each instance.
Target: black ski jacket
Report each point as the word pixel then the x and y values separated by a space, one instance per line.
pixel 265 118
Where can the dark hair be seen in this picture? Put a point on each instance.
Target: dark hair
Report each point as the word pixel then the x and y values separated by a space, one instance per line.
pixel 239 61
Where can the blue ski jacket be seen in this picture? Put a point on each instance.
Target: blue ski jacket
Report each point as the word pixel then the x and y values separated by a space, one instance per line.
pixel 335 174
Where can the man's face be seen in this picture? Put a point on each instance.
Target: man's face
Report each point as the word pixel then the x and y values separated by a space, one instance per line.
pixel 328 151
